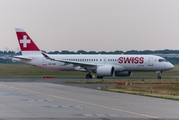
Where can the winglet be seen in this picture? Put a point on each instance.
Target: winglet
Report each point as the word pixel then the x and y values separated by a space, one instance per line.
pixel 46 56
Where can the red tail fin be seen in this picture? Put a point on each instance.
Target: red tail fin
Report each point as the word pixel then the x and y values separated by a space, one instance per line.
pixel 25 42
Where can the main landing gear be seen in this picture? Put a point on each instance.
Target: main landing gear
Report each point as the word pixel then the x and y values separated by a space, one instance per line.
pixel 99 77
pixel 88 76
pixel 159 77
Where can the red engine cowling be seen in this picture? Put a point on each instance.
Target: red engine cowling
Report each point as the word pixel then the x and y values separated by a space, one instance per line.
pixel 105 71
pixel 123 73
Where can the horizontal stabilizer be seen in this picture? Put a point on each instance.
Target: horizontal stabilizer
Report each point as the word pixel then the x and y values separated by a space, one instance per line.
pixel 21 57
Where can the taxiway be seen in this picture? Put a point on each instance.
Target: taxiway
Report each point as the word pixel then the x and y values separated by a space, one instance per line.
pixel 52 99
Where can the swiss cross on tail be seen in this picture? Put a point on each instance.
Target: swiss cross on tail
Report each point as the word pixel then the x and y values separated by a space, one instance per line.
pixel 25 42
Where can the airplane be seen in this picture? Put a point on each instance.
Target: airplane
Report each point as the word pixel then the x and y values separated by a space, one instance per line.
pixel 103 65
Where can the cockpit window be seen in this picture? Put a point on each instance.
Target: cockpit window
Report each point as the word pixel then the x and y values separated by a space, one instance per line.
pixel 162 60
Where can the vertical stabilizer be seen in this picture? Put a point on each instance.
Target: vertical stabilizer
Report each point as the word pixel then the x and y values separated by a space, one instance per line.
pixel 26 44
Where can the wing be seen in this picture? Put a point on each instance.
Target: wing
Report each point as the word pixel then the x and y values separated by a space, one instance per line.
pixel 86 66
pixel 82 65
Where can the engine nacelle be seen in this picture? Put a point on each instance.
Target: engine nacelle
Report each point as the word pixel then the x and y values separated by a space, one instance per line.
pixel 123 73
pixel 105 71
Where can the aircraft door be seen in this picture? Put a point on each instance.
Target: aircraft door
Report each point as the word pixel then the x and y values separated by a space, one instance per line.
pixel 44 61
pixel 150 61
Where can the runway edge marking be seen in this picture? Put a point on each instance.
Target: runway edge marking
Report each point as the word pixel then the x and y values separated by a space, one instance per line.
pixel 149 116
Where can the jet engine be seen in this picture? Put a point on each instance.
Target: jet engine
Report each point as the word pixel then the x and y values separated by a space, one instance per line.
pixel 123 73
pixel 105 70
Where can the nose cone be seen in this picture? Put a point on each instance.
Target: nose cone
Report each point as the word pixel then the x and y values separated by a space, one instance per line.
pixel 169 66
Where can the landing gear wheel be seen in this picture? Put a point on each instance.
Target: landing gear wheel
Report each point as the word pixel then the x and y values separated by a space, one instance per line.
pixel 88 76
pixel 159 77
pixel 99 77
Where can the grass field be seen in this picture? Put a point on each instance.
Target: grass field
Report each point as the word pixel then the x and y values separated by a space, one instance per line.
pixel 147 81
pixel 164 88
pixel 167 91
pixel 23 70
pixel 27 70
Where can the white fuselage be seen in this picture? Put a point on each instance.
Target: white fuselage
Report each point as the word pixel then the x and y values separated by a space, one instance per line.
pixel 119 62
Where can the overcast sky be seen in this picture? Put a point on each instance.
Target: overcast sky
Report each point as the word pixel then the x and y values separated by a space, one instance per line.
pixel 91 25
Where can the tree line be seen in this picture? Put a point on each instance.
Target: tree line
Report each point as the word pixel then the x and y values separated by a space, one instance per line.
pixel 173 60
pixel 166 51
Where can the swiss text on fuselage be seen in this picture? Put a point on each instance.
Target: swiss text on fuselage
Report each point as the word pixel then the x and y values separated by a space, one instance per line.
pixel 134 60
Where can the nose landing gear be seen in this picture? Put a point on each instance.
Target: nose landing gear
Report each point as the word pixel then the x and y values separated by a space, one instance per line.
pixel 159 77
